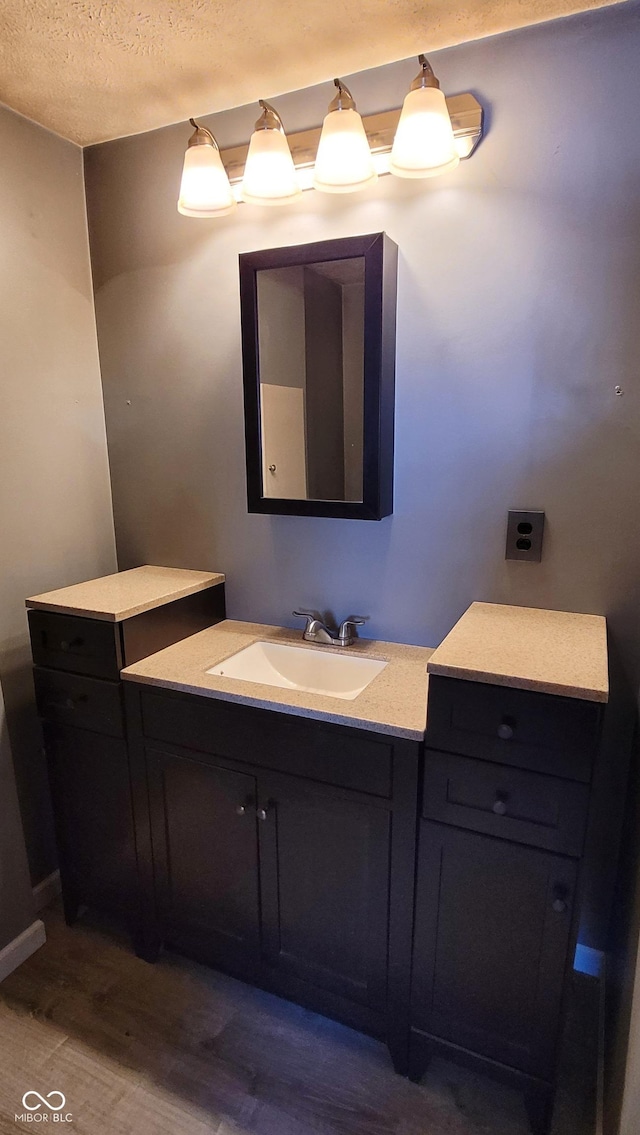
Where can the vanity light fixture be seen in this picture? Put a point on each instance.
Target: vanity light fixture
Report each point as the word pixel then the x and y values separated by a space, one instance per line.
pixel 205 190
pixel 269 174
pixel 424 145
pixel 428 137
pixel 344 162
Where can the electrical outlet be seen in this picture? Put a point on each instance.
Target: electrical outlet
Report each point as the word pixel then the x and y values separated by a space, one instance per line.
pixel 524 536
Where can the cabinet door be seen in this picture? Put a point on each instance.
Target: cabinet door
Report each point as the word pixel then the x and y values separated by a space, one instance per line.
pixel 325 887
pixel 91 791
pixel 493 925
pixel 205 856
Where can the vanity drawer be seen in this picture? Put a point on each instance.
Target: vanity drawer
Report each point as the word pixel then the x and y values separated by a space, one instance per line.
pixel 527 807
pixel 328 754
pixel 73 699
pixel 526 729
pixel 83 646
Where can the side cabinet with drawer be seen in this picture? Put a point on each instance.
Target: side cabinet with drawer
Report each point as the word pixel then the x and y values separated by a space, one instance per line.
pixel 281 850
pixel 79 699
pixel 504 810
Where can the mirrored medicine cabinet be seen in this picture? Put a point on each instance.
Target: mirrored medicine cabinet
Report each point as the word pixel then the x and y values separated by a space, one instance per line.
pixel 318 346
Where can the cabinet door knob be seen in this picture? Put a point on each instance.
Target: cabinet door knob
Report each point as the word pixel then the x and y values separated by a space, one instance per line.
pixel 240 809
pixel 506 730
pixel 500 804
pixel 262 813
pixel 559 903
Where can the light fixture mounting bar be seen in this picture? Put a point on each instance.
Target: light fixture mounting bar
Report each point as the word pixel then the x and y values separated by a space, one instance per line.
pixel 466 119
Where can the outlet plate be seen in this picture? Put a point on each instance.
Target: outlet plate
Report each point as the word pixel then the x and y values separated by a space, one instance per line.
pixel 524 535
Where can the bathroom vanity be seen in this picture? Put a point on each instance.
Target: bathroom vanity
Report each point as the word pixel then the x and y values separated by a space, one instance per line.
pixel 280 831
pixel 413 875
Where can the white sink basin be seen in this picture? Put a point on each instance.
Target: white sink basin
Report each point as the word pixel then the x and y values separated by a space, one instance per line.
pixel 299 668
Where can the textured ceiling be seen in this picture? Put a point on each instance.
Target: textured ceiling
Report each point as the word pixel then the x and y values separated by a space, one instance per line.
pixel 92 71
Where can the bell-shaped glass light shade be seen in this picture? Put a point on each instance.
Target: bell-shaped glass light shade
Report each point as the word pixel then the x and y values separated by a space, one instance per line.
pixel 344 162
pixel 424 145
pixel 205 189
pixel 269 173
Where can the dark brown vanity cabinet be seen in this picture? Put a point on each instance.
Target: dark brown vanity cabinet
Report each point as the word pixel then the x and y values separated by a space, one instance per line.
pixel 280 850
pixel 424 894
pixel 269 869
pixel 504 814
pixel 79 700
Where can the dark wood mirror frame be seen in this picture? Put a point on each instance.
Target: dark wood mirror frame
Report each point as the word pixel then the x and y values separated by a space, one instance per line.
pixel 380 274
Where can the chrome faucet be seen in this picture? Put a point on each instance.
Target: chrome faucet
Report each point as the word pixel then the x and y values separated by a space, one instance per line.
pixel 316 631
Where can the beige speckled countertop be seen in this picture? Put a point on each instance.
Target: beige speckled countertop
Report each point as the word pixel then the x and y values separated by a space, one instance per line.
pixel 113 598
pixel 554 652
pixel 395 702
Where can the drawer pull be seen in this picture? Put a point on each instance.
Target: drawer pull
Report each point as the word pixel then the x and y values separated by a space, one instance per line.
pixel 68 703
pixel 506 729
pixel 500 804
pixel 68 644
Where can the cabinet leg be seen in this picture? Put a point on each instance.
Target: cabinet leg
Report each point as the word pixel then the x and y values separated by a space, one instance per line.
pixel 147 945
pixel 399 1051
pixel 419 1059
pixel 70 907
pixel 539 1105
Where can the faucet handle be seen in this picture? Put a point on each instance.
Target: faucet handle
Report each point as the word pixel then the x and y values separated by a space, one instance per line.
pixel 344 636
pixel 309 615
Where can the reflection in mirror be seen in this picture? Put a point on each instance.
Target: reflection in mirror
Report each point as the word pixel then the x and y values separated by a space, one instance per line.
pixel 311 350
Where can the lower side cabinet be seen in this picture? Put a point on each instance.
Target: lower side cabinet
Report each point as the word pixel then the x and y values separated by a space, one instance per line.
pixel 492 934
pixel 91 790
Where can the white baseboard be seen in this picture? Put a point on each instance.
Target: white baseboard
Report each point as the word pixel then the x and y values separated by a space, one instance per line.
pixel 22 948
pixel 46 891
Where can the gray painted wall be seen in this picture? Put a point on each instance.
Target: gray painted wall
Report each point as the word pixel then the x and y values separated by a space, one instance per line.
pixel 56 525
pixel 518 300
pixel 280 295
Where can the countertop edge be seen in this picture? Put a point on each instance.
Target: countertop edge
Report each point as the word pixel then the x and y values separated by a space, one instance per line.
pixel 279 707
pixel 128 612
pixel 534 685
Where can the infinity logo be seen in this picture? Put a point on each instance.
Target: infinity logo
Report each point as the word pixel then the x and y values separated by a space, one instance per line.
pixel 43 1100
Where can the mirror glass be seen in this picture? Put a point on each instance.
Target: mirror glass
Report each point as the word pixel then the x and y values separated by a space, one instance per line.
pixel 311 379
